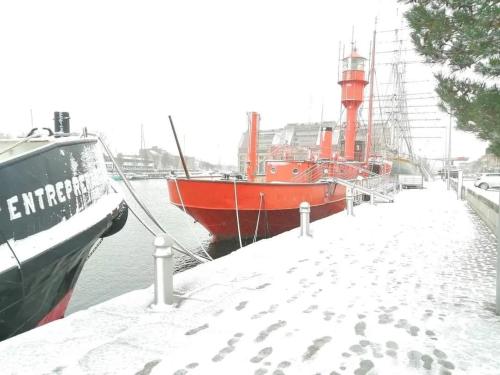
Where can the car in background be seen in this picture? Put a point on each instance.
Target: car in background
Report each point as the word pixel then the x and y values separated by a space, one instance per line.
pixel 488 180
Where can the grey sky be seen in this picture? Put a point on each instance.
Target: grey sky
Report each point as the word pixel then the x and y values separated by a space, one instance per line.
pixel 115 65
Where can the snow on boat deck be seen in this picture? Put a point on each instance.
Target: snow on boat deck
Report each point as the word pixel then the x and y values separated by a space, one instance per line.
pixel 402 288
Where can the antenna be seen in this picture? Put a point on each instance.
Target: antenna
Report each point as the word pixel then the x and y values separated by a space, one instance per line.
pixel 369 62
pixel 143 141
pixel 352 39
pixel 338 62
pixel 373 44
pixel 310 107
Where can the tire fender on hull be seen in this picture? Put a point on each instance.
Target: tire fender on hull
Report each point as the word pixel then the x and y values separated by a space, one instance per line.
pixel 119 221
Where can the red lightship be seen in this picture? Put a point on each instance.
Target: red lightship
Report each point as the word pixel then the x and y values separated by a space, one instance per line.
pixel 263 206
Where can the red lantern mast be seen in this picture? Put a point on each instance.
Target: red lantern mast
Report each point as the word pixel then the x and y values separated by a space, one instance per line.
pixel 353 83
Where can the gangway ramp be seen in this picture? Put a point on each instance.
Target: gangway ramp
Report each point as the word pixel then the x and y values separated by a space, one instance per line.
pixel 371 191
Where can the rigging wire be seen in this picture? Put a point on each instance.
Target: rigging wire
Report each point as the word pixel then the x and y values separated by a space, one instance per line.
pixel 237 214
pixel 138 200
pixel 189 224
pixel 258 216
pixel 180 250
pixel 25 139
pixel 20 268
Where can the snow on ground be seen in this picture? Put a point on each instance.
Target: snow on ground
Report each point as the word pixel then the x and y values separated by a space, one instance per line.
pixel 402 288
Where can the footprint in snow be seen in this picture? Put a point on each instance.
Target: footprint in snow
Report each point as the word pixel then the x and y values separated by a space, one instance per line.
pixel 228 349
pixel 310 309
pixel 273 327
pixel 266 352
pixel 196 330
pixel 241 306
pixel 359 328
pixel 315 347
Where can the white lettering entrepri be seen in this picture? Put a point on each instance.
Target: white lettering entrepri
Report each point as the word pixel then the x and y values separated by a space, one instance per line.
pixel 39 194
pixel 60 196
pixel 29 203
pixel 83 187
pixel 48 196
pixel 76 186
pixel 50 191
pixel 69 188
pixel 11 204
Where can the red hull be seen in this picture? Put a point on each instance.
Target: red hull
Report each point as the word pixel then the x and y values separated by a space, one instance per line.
pixel 213 205
pixel 58 311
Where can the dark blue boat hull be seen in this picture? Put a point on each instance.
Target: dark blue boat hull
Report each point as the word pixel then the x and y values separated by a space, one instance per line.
pixel 55 204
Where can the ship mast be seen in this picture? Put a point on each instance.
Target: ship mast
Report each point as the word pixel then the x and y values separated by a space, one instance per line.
pixel 370 100
pixel 400 139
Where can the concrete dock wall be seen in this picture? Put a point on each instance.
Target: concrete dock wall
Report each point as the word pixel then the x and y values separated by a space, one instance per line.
pixel 485 208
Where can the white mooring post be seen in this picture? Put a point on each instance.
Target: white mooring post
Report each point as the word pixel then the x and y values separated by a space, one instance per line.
pixel 164 271
pixel 460 182
pixel 498 258
pixel 305 212
pixel 349 200
pixel 372 198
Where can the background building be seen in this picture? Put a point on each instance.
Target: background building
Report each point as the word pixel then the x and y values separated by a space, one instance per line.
pixel 486 163
pixel 298 141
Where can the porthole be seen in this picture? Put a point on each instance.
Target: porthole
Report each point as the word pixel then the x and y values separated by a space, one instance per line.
pixel 273 170
pixel 295 171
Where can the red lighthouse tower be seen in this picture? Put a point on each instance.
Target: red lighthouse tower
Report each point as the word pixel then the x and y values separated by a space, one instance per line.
pixel 353 82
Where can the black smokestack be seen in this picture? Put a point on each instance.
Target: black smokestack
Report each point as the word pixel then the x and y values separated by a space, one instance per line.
pixel 61 122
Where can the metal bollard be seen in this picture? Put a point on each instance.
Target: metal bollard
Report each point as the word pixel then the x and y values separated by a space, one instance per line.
pixel 305 211
pixel 349 201
pixel 164 271
pixel 460 182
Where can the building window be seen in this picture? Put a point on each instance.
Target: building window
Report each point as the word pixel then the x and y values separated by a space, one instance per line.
pixel 261 165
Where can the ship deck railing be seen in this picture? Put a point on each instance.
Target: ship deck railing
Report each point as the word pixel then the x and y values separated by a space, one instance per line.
pixel 377 187
pixel 340 169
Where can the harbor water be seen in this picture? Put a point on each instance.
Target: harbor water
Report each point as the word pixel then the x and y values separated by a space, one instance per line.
pixel 124 261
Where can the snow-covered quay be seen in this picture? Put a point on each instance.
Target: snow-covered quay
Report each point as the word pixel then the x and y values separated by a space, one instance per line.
pixel 402 288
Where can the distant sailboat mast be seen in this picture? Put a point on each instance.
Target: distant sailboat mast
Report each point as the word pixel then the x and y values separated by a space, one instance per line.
pixel 370 100
pixel 143 141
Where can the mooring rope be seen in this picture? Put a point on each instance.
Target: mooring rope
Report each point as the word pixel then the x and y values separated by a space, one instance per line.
pixel 189 224
pixel 182 250
pixel 258 216
pixel 18 262
pixel 237 214
pixel 142 205
pixel 25 139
